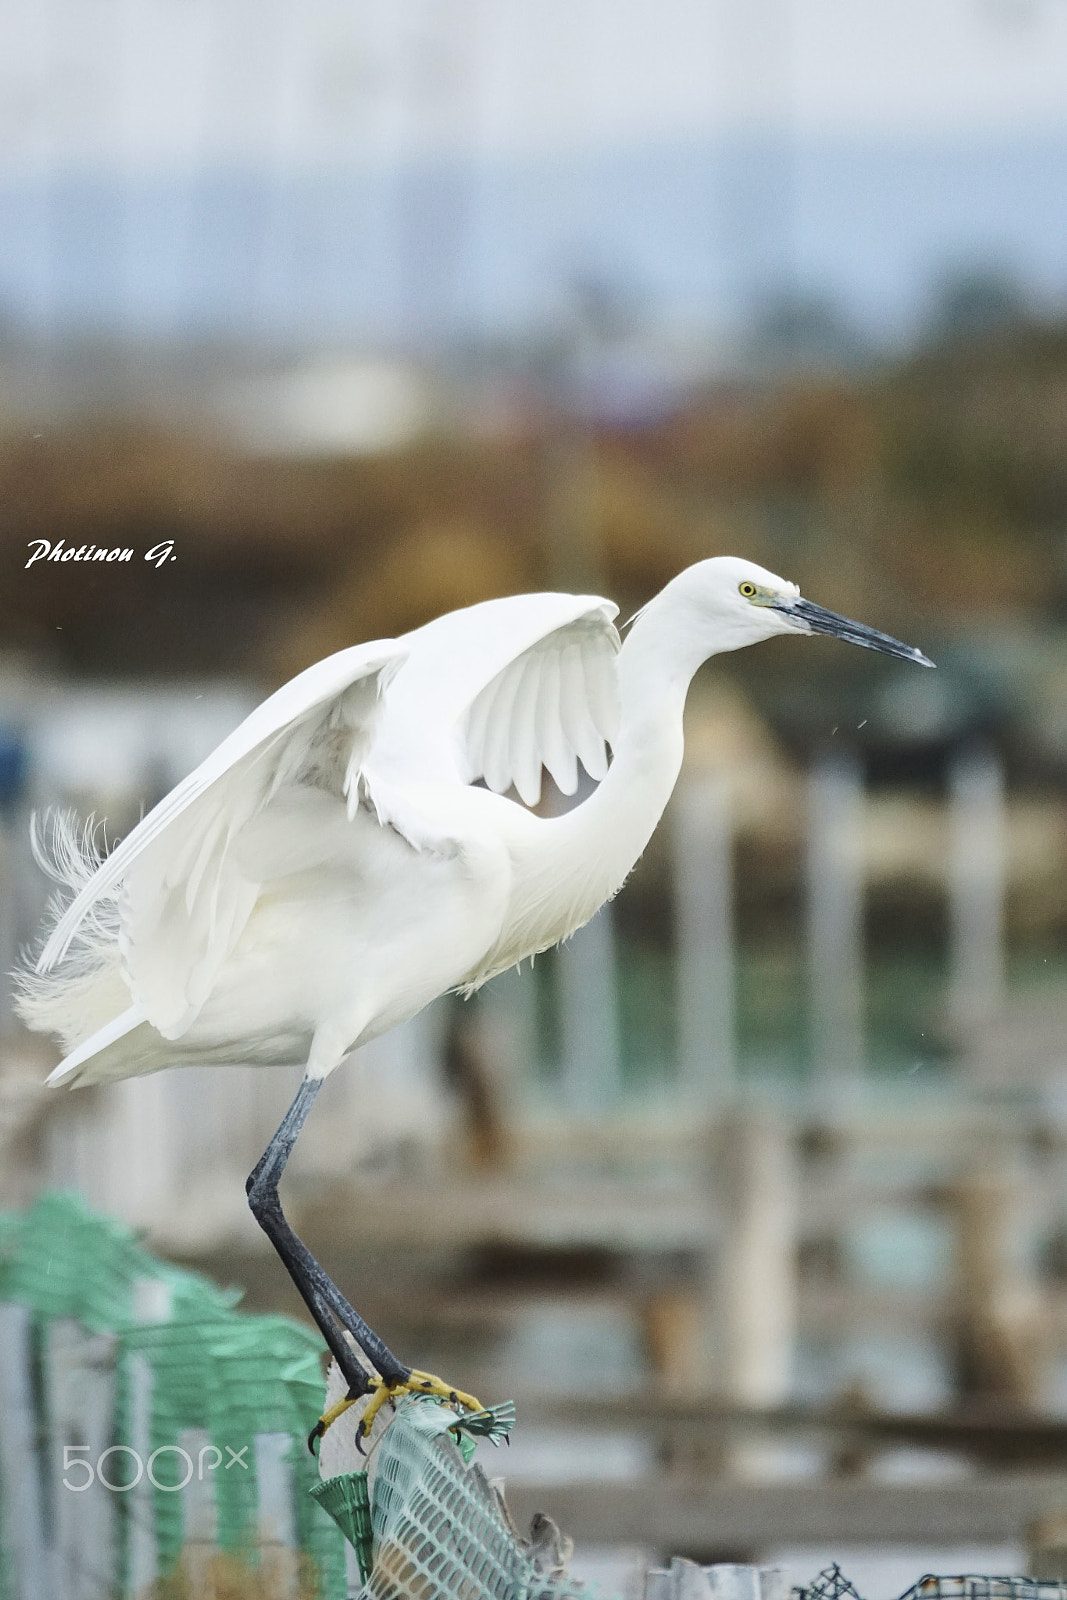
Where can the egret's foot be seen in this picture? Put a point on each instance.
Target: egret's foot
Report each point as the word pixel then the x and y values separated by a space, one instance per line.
pixel 381 1391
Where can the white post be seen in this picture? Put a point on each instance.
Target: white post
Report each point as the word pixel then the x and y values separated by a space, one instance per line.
pixel 23 1528
pixel 753 1295
pixel 976 887
pixel 589 1035
pixel 143 1555
pixel 835 916
pixel 81 1391
pixel 152 1303
pixel 276 1522
pixel 705 950
pixel 200 1517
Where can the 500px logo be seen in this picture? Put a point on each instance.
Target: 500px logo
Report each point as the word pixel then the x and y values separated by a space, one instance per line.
pixel 76 1459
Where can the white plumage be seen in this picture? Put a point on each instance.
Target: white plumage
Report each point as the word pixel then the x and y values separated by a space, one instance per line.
pixel 335 863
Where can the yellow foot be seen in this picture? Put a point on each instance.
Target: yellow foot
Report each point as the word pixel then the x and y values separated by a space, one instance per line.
pixel 415 1383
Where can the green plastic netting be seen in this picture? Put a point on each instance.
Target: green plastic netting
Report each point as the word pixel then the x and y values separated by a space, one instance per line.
pixel 231 1375
pixel 439 1528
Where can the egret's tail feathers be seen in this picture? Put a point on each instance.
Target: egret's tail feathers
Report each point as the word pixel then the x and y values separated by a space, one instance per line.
pixel 91 1062
pixel 67 849
pixel 88 991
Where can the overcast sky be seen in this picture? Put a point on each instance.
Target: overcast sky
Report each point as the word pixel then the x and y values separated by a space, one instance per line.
pixel 174 84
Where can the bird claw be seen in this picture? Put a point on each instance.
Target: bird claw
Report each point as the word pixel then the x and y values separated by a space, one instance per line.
pixel 495 1423
pixel 383 1391
pixel 328 1419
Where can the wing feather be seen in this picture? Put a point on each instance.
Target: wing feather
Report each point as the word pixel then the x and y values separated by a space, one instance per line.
pixel 559 696
pixel 212 836
pixel 445 710
pixel 576 716
pixel 556 752
pixel 602 691
pixel 484 693
pixel 478 723
pixel 497 770
pixel 524 751
pixel 268 746
pixel 184 892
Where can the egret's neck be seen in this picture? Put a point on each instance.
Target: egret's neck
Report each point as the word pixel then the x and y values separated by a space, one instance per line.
pixel 655 668
pixel 603 837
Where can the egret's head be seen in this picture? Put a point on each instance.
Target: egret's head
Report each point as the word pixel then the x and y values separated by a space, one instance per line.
pixel 743 603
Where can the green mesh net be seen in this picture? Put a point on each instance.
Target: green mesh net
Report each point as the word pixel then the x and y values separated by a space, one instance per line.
pixel 229 1375
pixel 439 1528
pixel 347 1499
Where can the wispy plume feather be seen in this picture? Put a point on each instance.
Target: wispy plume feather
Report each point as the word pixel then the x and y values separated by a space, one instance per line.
pixel 82 993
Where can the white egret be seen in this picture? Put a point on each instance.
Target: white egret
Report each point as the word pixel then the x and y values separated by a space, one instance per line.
pixel 336 863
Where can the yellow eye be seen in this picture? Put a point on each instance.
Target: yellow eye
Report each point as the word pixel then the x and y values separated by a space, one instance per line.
pixel 747 589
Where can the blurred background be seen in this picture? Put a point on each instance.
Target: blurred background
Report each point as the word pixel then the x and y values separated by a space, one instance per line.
pixel 754 1196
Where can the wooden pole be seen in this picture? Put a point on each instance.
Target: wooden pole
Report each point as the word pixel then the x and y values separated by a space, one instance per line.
pixel 200 1516
pixel 997 1319
pixel 753 1294
pixel 23 1527
pixel 977 869
pixel 140 1119
pixel 589 1036
pixel 509 1031
pixel 835 917
pixel 707 1070
pixel 152 1303
pixel 139 1503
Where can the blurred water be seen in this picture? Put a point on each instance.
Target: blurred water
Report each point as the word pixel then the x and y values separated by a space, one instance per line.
pixel 905 1002
pixel 894 1250
pixel 594 1349
pixel 895 1373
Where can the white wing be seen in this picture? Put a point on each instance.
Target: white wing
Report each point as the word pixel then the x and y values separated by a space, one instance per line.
pixel 495 690
pixel 498 690
pixel 184 898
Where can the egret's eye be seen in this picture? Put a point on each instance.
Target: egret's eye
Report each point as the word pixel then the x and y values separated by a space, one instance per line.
pixel 747 589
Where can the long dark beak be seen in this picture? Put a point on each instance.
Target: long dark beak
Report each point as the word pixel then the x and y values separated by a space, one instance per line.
pixel 816 619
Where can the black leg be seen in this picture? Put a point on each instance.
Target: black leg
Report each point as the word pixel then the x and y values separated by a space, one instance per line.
pixel 331 1311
